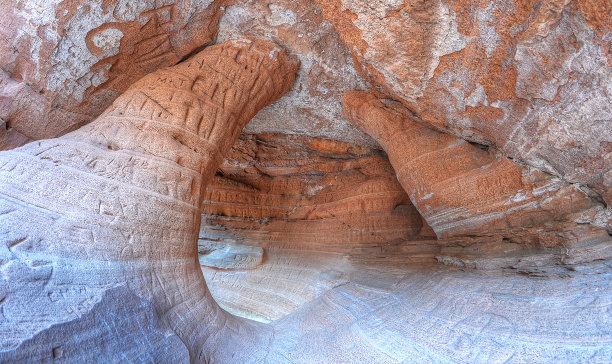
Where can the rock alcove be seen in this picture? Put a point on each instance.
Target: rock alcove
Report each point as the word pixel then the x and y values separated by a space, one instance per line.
pixel 305 181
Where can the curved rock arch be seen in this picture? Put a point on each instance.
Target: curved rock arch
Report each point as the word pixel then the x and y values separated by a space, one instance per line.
pixel 117 202
pixel 98 231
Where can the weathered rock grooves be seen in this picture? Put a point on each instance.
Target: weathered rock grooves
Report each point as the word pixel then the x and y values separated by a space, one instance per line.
pixel 462 190
pixel 128 209
pixel 279 181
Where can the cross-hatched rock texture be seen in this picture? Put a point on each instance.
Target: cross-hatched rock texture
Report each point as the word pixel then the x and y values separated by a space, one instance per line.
pixel 460 189
pixel 127 213
pixel 307 181
pixel 63 62
pixel 314 105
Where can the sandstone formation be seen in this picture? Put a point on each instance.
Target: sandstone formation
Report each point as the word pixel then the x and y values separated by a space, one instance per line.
pixel 64 62
pixel 313 107
pixel 128 213
pixel 461 190
pixel 310 193
pixel 530 77
pixel 290 208
pixel 340 181
pixel 271 242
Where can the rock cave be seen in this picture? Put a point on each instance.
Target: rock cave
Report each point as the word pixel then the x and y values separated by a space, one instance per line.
pixel 275 181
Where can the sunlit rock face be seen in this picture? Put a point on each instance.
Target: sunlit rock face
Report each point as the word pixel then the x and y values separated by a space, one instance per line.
pixel 343 181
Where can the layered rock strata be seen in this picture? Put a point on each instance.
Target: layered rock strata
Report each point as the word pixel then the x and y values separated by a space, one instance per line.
pixel 287 219
pixel 98 228
pixel 115 206
pixel 287 215
pixel 462 190
pixel 310 194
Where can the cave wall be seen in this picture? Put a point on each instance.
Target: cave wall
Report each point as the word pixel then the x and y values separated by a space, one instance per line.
pixel 433 186
pixel 64 62
pixel 484 72
pixel 286 217
pixel 127 214
pixel 529 77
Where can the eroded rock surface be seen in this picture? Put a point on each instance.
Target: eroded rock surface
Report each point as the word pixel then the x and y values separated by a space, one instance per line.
pixel 261 193
pixel 314 105
pixel 479 233
pixel 461 190
pixel 528 77
pixel 314 207
pixel 128 212
pixel 531 77
pixel 310 194
pixel 63 62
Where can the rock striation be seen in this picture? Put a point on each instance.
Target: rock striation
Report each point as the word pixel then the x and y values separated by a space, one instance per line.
pixel 530 77
pixel 285 214
pixel 309 194
pixel 275 181
pixel 128 212
pixel 462 190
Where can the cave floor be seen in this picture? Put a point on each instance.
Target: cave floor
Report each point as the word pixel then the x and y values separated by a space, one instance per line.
pixel 361 310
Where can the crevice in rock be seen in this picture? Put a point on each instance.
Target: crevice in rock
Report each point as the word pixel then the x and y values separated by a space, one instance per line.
pixel 483 147
pixel 195 51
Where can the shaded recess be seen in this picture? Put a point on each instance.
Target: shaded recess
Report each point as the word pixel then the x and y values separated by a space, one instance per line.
pixel 285 214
